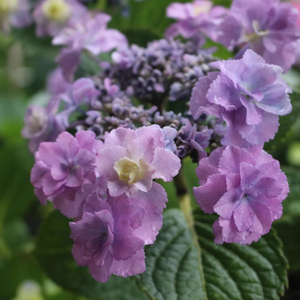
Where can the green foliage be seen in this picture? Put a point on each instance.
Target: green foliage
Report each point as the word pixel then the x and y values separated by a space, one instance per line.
pixel 145 15
pixel 291 205
pixel 229 271
pixel 53 251
pixel 284 134
pixel 289 231
pixel 16 192
pixel 147 21
pixel 288 227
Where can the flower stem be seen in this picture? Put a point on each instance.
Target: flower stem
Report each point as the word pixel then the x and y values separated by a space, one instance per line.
pixel 184 198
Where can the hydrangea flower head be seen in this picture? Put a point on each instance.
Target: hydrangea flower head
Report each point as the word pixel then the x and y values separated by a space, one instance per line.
pixel 56 83
pixel 44 124
pixel 83 90
pixel 194 19
pixel 65 166
pixel 131 159
pixel 87 33
pixel 14 13
pixel 51 16
pixel 267 27
pixel 245 187
pixel 248 94
pixel 110 236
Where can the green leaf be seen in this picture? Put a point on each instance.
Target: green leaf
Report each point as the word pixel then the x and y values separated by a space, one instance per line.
pixel 16 193
pixel 173 270
pixel 289 231
pixel 230 271
pixel 139 17
pixel 53 251
pixel 291 205
pixel 288 227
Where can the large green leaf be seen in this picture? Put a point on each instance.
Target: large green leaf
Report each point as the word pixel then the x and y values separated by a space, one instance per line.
pixel 54 254
pixel 175 270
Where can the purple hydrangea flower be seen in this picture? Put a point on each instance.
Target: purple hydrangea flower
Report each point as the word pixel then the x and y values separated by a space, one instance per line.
pixel 195 19
pixel 56 83
pixel 81 91
pixel 245 187
pixel 112 232
pixel 248 94
pixel 170 134
pixel 44 124
pixel 64 166
pixel 15 13
pixel 87 33
pixel 51 16
pixel 267 27
pixel 194 139
pixel 131 159
pixel 165 69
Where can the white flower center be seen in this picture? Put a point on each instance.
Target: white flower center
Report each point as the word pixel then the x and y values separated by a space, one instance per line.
pixel 37 121
pixel 57 10
pixel 131 171
pixel 258 33
pixel 7 6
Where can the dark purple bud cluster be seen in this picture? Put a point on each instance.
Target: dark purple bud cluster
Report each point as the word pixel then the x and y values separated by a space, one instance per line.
pixel 113 109
pixel 165 70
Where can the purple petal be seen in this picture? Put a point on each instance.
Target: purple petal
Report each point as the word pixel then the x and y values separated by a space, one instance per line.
pixel 125 243
pixel 210 193
pixel 132 266
pixel 166 164
pixel 199 103
pixel 228 203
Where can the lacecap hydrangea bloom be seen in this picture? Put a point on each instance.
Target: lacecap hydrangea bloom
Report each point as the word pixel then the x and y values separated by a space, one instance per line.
pixel 15 13
pixel 131 159
pixel 87 33
pixel 247 94
pixel 113 228
pixel 245 187
pixel 195 20
pixel 267 27
pixel 64 166
pixel 51 16
pixel 110 236
pixel 44 124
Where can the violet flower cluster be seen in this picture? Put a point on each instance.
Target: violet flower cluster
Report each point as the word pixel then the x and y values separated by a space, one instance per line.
pixel 241 182
pixel 109 189
pixel 267 27
pixel 245 187
pixel 248 95
pixel 165 69
pixel 190 104
pixel 15 13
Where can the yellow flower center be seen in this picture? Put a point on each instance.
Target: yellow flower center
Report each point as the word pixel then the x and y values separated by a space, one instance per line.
pixel 199 9
pixel 57 10
pixel 7 6
pixel 130 171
